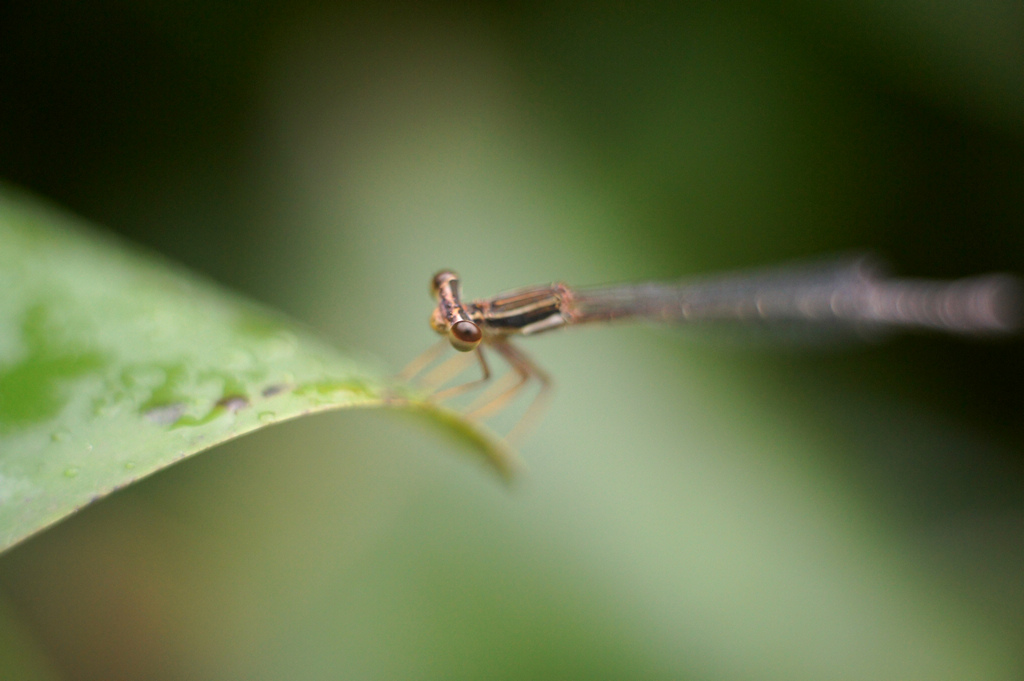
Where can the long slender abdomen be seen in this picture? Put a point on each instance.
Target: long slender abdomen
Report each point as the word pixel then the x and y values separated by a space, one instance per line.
pixel 849 292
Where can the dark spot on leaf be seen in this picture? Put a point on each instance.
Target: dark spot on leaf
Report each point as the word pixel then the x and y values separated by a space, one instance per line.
pixel 272 390
pixel 233 403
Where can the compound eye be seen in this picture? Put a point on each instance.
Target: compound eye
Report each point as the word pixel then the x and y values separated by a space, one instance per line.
pixel 440 279
pixel 465 336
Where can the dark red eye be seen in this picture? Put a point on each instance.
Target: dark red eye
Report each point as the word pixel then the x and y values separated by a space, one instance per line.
pixel 465 336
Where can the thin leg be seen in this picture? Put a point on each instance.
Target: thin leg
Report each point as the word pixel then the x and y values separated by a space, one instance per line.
pixel 523 368
pixel 416 367
pixel 531 416
pixel 507 381
pixel 494 400
pixel 454 391
pixel 445 371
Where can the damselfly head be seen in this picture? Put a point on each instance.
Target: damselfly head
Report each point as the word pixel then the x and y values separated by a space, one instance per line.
pixel 464 335
pixel 449 317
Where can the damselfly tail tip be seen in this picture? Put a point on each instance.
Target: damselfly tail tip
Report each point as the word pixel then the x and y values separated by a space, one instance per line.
pixel 1006 302
pixel 991 304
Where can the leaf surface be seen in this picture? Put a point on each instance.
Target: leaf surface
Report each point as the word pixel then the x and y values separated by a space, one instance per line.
pixel 115 364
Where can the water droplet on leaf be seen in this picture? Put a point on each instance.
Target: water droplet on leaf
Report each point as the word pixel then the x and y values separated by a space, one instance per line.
pixel 165 414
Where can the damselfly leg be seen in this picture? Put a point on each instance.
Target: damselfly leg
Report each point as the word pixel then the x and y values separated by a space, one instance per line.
pixel 432 374
pixel 522 370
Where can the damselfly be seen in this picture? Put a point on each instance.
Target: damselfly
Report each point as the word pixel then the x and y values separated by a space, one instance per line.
pixel 852 294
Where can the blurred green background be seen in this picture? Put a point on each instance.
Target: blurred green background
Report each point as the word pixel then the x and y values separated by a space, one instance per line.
pixel 694 509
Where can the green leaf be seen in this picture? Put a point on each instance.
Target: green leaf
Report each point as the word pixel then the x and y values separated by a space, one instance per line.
pixel 115 364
